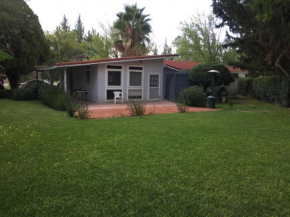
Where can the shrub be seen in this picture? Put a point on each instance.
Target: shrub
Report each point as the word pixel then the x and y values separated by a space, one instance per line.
pixel 83 111
pixel 200 75
pixel 273 90
pixel 182 107
pixel 71 107
pixel 246 86
pixel 54 98
pixel 24 93
pixel 5 94
pixel 193 96
pixel 231 103
pixel 136 107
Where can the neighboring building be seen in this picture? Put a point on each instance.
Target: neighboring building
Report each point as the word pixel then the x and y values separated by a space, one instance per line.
pixel 136 77
pixel 176 78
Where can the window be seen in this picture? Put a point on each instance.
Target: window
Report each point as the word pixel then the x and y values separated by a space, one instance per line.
pixel 154 89
pixel 110 94
pixel 88 77
pixel 114 78
pixel 154 80
pixel 135 78
pixel 135 89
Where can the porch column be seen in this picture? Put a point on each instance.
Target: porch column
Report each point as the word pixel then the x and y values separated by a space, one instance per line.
pixel 42 75
pixel 65 80
pixel 36 75
pixel 51 77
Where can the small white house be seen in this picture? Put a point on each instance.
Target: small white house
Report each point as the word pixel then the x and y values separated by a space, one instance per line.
pixel 136 77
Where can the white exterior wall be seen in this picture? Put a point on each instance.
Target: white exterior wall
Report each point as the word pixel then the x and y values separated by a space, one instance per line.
pixel 149 66
pixel 232 88
pixel 98 88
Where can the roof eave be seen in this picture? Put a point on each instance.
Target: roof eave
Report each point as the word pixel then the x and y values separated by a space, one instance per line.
pixel 54 67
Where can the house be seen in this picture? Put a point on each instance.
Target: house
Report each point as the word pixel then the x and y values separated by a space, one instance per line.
pixel 136 77
pixel 176 73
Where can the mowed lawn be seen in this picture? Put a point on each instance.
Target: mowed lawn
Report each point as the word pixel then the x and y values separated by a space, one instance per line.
pixel 233 162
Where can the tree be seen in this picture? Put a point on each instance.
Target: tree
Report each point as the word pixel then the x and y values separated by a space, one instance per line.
pixel 260 32
pixel 64 25
pixel 200 75
pixel 166 48
pixel 80 30
pixel 22 38
pixel 132 31
pixel 199 41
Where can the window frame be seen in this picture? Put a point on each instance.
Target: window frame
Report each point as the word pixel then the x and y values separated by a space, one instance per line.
pixel 107 87
pixel 142 80
pixel 159 84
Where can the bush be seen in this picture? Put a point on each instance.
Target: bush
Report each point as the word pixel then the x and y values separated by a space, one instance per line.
pixel 182 108
pixel 193 96
pixel 136 107
pixel 246 86
pixel 83 111
pixel 273 90
pixel 5 94
pixel 71 107
pixel 24 93
pixel 200 75
pixel 54 98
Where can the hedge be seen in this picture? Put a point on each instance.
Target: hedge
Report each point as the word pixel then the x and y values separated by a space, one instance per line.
pixel 5 94
pixel 192 96
pixel 269 89
pixel 246 86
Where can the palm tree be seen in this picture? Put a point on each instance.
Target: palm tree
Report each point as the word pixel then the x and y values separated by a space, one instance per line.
pixel 132 31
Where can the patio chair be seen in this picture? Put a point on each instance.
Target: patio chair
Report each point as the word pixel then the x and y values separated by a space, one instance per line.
pixel 117 95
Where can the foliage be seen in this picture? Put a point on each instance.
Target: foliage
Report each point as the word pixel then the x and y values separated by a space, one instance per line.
pixel 136 107
pixel 200 75
pixel 83 111
pixel 166 48
pixel 269 89
pixel 132 31
pixel 246 86
pixel 53 97
pixel 200 41
pixel 273 90
pixel 192 96
pixel 182 107
pixel 231 103
pixel 23 94
pixel 259 31
pixel 22 38
pixel 4 56
pixel 71 107
pixel 5 94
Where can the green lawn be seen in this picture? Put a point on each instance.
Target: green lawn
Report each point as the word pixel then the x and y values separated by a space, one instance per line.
pixel 234 162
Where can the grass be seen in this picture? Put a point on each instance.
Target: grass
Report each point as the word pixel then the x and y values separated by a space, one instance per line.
pixel 233 162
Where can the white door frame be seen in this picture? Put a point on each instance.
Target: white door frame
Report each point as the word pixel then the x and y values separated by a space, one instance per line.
pixel 159 82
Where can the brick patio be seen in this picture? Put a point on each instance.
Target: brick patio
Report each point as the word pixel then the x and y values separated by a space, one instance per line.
pixel 110 110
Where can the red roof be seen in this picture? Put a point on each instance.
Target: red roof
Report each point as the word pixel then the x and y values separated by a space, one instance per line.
pixel 90 62
pixel 186 65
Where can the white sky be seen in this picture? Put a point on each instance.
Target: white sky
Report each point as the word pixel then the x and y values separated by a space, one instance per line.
pixel 166 15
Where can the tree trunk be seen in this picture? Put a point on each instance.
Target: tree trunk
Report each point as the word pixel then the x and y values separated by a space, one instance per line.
pixel 13 80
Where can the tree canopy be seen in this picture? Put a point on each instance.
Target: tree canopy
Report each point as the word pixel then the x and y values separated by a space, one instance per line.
pixel 259 29
pixel 200 75
pixel 200 41
pixel 132 31
pixel 22 38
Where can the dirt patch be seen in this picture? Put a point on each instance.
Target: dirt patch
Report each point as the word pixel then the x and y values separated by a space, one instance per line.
pixel 121 112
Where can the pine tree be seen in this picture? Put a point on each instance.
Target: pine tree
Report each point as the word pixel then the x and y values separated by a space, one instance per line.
pixel 64 24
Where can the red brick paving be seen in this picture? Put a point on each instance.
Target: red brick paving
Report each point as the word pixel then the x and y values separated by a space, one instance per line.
pixel 119 112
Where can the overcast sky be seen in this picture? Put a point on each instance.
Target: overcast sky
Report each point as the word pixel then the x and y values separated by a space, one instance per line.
pixel 166 15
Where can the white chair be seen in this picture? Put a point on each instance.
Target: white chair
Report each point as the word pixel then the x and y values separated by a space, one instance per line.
pixel 118 95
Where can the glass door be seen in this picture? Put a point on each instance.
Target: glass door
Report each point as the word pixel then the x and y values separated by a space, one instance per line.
pixel 154 86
